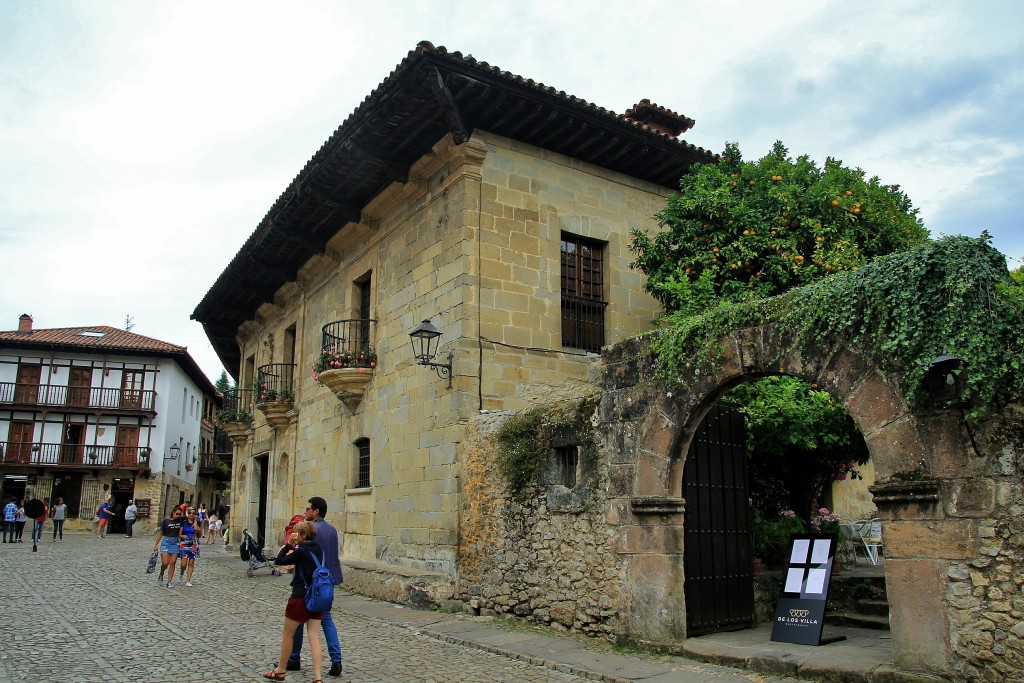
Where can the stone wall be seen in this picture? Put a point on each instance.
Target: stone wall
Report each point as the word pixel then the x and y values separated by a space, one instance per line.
pixel 472 242
pixel 986 592
pixel 555 567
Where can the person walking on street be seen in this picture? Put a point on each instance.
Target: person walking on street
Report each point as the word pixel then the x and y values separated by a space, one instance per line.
pixel 10 515
pixel 130 514
pixel 19 522
pixel 167 543
pixel 60 513
pixel 37 524
pixel 327 538
pixel 299 550
pixel 103 514
pixel 188 545
pixel 202 520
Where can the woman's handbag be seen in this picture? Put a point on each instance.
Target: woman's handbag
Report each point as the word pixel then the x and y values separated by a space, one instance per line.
pixel 151 567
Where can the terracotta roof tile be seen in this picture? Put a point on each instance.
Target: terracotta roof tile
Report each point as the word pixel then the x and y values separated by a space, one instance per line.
pixel 93 337
pixel 101 338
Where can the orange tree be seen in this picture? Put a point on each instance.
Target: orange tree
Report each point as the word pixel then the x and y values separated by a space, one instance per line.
pixel 748 230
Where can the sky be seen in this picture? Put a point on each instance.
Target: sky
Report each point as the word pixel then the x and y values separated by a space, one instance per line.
pixel 141 142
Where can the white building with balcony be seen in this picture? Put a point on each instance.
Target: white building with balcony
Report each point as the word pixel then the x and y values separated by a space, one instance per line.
pixel 87 411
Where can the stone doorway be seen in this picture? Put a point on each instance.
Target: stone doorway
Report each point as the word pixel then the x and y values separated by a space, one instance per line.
pixel 932 492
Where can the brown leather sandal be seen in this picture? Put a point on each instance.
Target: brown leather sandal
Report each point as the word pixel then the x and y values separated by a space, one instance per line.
pixel 275 675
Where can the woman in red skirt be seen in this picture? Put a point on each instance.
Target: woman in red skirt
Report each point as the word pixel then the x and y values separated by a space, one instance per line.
pixel 298 551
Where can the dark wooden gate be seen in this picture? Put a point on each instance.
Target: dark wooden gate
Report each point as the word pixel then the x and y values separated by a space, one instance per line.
pixel 719 572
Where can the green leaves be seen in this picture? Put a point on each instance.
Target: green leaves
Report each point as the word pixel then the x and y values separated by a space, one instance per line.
pixel 748 230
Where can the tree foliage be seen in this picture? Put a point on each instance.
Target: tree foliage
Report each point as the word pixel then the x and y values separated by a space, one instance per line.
pixel 223 383
pixel 746 230
pixel 800 440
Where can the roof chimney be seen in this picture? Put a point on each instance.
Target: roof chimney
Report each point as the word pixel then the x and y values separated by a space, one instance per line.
pixel 25 323
pixel 664 121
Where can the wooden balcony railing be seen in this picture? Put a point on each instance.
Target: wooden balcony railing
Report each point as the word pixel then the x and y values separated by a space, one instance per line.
pixel 77 397
pixel 69 455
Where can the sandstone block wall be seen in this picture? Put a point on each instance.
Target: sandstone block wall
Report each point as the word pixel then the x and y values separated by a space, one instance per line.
pixel 471 242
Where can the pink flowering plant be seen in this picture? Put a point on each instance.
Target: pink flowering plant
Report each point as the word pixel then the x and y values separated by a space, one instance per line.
pixel 823 521
pixel 264 393
pixel 336 359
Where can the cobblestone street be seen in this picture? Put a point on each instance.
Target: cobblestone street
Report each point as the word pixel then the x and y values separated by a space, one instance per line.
pixel 85 610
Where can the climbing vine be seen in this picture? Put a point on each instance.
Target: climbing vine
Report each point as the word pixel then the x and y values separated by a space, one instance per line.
pixel 953 295
pixel 525 439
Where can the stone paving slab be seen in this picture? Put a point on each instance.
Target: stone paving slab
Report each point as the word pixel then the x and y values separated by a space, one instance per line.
pixel 106 620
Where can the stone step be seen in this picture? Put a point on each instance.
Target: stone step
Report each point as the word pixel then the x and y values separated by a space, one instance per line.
pixel 857 619
pixel 878 608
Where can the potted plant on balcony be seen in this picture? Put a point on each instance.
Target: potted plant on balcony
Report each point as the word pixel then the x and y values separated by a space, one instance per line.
pixel 92 455
pixel 346 372
pixel 274 403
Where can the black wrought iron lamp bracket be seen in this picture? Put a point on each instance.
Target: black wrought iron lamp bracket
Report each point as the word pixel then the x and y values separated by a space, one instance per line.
pixel 442 369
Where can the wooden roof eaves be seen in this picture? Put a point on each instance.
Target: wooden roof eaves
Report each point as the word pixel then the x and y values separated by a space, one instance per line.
pixel 291 212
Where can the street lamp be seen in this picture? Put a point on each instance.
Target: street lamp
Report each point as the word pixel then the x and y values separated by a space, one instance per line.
pixel 945 379
pixel 175 452
pixel 424 339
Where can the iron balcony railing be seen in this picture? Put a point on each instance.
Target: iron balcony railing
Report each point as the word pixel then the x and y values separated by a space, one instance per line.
pixel 274 383
pixel 77 397
pixel 236 407
pixel 211 464
pixel 63 454
pixel 350 337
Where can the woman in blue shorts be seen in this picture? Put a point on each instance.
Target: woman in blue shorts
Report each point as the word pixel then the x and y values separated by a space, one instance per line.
pixel 167 544
pixel 188 545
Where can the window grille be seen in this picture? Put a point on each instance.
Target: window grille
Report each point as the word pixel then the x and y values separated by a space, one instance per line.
pixel 582 293
pixel 568 462
pixel 90 499
pixel 363 463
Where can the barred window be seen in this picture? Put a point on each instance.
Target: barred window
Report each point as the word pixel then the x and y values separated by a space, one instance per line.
pixel 582 293
pixel 568 461
pixel 363 463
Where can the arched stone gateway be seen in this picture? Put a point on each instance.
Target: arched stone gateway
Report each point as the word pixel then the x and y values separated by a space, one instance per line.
pixel 952 520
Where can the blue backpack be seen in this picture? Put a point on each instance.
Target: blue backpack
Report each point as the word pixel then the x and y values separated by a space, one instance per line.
pixel 320 591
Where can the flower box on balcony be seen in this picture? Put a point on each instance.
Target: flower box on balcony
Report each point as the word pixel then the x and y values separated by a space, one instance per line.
pixel 275 411
pixel 348 384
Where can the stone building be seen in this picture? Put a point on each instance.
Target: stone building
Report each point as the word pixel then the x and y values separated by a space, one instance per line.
pixel 490 216
pixel 494 207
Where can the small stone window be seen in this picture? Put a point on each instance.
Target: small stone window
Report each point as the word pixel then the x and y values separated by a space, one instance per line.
pixel 362 463
pixel 567 463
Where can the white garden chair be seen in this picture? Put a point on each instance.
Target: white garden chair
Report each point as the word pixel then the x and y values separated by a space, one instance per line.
pixel 869 533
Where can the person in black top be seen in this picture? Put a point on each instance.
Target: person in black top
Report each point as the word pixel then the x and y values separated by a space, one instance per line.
pixel 298 552
pixel 167 542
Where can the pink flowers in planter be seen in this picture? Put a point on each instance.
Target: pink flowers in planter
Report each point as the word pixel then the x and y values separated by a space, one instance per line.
pixel 336 359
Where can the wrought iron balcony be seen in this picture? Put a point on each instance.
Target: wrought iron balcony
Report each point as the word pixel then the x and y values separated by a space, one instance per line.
pixel 350 338
pixel 212 465
pixel 274 383
pixel 73 455
pixel 63 396
pixel 238 405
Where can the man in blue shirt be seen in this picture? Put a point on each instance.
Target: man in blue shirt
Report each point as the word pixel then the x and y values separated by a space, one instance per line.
pixel 327 537
pixel 104 513
pixel 11 512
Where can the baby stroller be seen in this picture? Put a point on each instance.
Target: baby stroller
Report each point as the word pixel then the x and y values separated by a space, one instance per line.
pixel 253 554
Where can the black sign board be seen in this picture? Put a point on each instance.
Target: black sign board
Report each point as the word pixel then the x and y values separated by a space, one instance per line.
pixel 800 610
pixel 143 505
